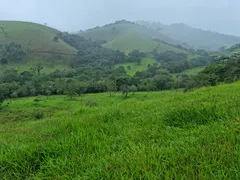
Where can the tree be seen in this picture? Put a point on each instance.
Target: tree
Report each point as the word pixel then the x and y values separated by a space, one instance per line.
pixel 125 90
pixel 2 97
pixel 163 81
pixel 2 29
pixel 55 38
pixel 111 86
pixel 38 67
pixel 71 88
pixel 138 61
pixel 136 56
pixel 133 89
pixel 11 53
pixel 47 88
pixel 80 88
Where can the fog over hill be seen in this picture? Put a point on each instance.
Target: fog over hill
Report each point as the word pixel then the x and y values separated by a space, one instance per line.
pixel 73 15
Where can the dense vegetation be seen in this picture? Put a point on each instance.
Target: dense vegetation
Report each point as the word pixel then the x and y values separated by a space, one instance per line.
pixel 223 71
pixel 11 53
pixel 93 70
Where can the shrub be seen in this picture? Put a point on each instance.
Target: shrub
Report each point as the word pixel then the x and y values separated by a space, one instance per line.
pixel 91 103
pixel 38 115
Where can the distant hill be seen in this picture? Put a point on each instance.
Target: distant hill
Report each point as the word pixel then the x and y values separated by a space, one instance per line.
pixel 196 38
pixel 127 36
pixel 35 38
pixel 231 53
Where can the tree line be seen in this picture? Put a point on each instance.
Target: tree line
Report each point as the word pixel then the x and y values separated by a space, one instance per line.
pixel 92 70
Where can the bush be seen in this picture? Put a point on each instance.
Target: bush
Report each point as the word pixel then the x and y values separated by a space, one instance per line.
pixel 91 103
pixel 38 115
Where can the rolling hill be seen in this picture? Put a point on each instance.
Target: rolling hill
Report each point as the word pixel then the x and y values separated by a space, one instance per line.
pixel 193 37
pixel 37 40
pixel 127 36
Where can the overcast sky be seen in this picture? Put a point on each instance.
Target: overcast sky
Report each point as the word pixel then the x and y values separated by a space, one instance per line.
pixel 73 15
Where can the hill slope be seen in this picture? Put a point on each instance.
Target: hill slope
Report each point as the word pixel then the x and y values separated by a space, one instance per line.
pixel 35 38
pixel 194 37
pixel 195 134
pixel 232 51
pixel 127 36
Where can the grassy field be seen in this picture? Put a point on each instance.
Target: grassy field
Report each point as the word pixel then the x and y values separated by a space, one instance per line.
pixel 155 135
pixel 50 63
pixel 136 67
pixel 193 71
pixel 23 67
pixel 130 42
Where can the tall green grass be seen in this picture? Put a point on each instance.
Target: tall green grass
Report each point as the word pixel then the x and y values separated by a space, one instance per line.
pixel 155 135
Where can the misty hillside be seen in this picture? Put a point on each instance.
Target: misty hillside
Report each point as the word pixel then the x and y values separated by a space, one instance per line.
pixel 229 52
pixel 196 38
pixel 127 36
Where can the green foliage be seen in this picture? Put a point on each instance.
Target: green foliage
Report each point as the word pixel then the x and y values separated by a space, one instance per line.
pixel 11 53
pixel 111 86
pixel 214 74
pixel 125 89
pixel 135 67
pixel 39 115
pixel 133 89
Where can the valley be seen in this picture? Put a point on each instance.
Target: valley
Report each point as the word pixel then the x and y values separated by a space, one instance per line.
pixel 126 100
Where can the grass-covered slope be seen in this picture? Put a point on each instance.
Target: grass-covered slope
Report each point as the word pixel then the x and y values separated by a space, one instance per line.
pixel 234 50
pixel 194 37
pixel 158 135
pixel 120 28
pixel 132 41
pixel 33 37
pixel 127 36
pixel 37 40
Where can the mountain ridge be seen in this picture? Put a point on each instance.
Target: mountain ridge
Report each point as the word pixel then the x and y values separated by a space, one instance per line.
pixel 198 38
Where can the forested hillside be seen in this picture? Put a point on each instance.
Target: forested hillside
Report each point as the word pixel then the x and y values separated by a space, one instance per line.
pixel 95 68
